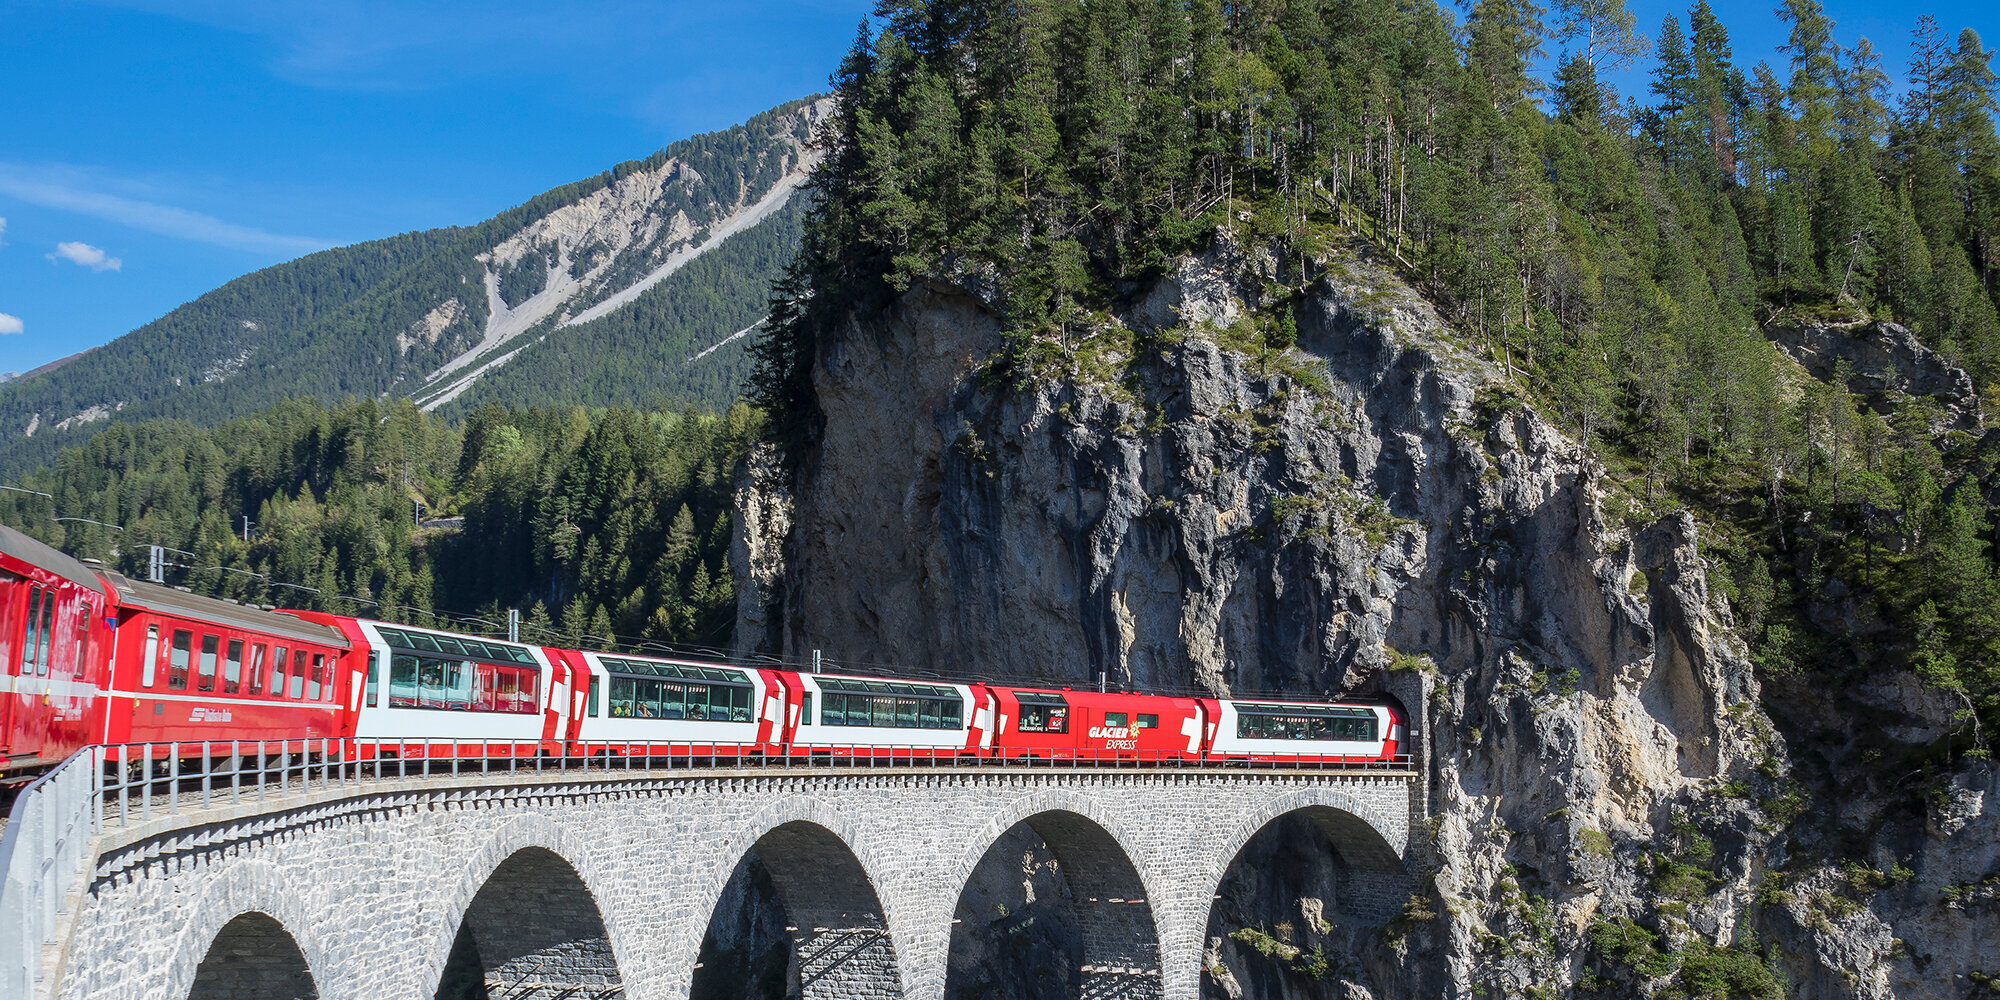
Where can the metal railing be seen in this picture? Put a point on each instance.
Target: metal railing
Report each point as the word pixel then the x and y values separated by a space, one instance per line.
pixel 142 780
pixel 42 853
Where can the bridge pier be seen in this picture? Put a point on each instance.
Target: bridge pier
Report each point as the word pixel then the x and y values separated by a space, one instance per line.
pixel 591 882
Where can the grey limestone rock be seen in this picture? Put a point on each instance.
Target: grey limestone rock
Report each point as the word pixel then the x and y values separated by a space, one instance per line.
pixel 1400 524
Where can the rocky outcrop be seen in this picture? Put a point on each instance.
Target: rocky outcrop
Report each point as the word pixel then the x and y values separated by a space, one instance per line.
pixel 1882 360
pixel 1374 511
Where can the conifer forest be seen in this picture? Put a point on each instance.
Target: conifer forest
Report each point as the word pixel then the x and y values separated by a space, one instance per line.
pixel 1629 258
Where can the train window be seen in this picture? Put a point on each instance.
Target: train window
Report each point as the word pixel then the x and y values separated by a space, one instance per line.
pixel 1043 719
pixel 298 673
pixel 402 681
pixel 590 700
pixel 461 685
pixel 232 667
pixel 33 640
pixel 257 653
pixel 313 690
pixel 151 660
pixel 661 698
pixel 177 664
pixel 1149 720
pixel 205 678
pixel 1116 719
pixel 1042 713
pixel 1288 722
pixel 374 675
pixel 806 712
pixel 278 672
pixel 43 658
pixel 892 706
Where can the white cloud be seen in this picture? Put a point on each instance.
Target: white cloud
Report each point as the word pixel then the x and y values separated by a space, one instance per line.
pixel 73 191
pixel 10 324
pixel 3 230
pixel 85 255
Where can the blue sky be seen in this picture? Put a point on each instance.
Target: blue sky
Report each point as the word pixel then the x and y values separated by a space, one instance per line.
pixel 151 150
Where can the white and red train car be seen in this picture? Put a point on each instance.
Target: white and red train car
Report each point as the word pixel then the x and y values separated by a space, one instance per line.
pixel 90 657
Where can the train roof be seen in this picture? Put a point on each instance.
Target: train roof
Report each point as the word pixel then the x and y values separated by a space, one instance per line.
pixel 28 550
pixel 167 600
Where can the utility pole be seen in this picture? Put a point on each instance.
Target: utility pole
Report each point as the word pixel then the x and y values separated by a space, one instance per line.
pixel 420 512
pixel 156 564
pixel 815 661
pixel 513 624
pixel 246 529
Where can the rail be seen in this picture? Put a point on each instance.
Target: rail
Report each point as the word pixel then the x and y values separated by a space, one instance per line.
pixel 42 852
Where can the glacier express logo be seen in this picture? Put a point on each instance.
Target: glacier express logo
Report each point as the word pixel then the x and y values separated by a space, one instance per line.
pixel 1110 733
pixel 204 714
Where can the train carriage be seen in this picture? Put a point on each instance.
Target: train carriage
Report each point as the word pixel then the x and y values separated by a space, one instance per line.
pixel 427 693
pixel 1271 731
pixel 875 717
pixel 1067 723
pixel 53 643
pixel 645 706
pixel 196 669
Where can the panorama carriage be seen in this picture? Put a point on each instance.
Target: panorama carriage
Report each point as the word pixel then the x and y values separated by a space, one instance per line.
pixel 88 656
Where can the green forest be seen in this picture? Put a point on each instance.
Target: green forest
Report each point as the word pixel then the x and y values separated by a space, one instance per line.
pixel 1626 256
pixel 606 528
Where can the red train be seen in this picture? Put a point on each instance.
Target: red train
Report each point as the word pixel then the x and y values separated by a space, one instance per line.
pixel 93 657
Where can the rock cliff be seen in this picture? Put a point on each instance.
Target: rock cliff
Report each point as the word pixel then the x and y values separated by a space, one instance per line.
pixel 1173 503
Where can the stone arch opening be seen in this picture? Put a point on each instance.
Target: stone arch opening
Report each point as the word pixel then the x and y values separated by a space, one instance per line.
pixel 532 931
pixel 798 918
pixel 253 957
pixel 1296 902
pixel 1054 910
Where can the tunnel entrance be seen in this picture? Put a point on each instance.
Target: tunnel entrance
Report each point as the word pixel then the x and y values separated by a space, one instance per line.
pixel 253 957
pixel 533 931
pixel 797 919
pixel 1054 910
pixel 1294 904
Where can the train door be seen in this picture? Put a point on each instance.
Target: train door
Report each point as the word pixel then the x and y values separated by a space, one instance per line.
pixel 11 589
pixel 72 696
pixel 33 636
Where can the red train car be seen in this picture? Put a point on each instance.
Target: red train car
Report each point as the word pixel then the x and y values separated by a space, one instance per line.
pixel 53 639
pixel 195 669
pixel 1066 723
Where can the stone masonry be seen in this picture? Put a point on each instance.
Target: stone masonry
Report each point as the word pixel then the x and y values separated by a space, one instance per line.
pixel 604 881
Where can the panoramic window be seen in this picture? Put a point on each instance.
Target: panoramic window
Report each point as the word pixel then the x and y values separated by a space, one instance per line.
pixel 890 705
pixel 1298 722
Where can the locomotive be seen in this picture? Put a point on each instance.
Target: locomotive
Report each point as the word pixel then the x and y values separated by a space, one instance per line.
pixel 88 656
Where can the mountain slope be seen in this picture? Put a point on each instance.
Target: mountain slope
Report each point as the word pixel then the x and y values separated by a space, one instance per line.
pixel 587 270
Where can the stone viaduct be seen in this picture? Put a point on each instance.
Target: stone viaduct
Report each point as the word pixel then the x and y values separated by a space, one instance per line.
pixel 600 885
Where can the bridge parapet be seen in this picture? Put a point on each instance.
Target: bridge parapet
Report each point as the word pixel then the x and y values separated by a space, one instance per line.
pixel 384 883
